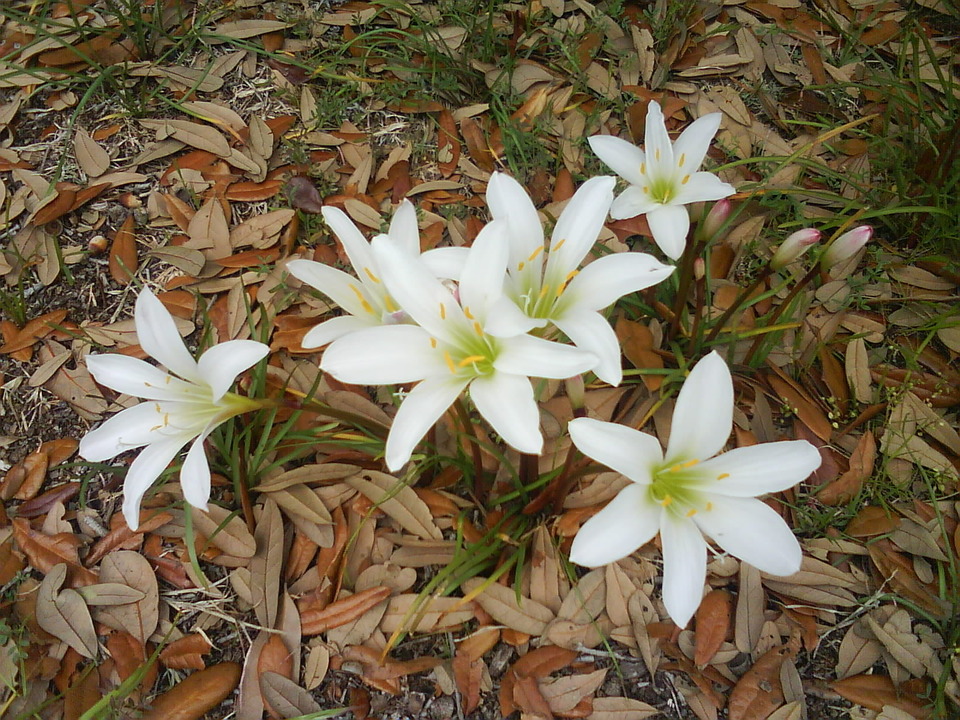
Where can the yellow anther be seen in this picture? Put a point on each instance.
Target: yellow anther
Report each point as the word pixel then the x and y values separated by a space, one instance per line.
pixel 478 328
pixel 433 343
pixel 521 265
pixel 656 153
pixel 543 291
pixel 686 179
pixel 371 275
pixel 567 279
pixel 709 507
pixel 646 189
pixel 684 466
pixel 643 168
pixel 559 245
pixel 466 311
pixel 683 159
pixel 723 476
pixel 470 360
pixel 168 379
pixel 443 311
pixel 388 302
pixel 691 512
pixel 666 501
pixel 363 301
pixel 449 361
pixel 534 254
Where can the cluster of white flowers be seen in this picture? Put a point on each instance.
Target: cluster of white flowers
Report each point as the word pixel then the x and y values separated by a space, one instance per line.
pixel 486 319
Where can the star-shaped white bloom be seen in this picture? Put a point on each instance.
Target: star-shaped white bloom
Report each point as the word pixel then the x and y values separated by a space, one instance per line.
pixel 449 349
pixel 663 176
pixel 178 408
pixel 691 491
pixel 364 297
pixel 547 286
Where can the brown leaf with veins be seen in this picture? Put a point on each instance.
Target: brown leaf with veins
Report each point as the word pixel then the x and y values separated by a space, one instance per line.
pixel 199 693
pixel 712 625
pixel 759 692
pixel 123 253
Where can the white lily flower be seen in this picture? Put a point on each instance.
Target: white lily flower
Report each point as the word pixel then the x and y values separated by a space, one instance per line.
pixel 663 176
pixel 364 297
pixel 691 491
pixel 548 286
pixel 179 408
pixel 449 350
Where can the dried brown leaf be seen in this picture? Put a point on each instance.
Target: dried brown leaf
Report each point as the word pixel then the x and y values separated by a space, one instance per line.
pixel 397 500
pixel 712 625
pixel 285 697
pixel 195 696
pixel 524 615
pixel 123 253
pixel 267 563
pixel 130 568
pixel 621 708
pixel 63 614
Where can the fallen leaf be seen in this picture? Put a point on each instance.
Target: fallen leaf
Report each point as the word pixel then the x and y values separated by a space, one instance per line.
pixel 123 253
pixel 199 693
pixel 63 614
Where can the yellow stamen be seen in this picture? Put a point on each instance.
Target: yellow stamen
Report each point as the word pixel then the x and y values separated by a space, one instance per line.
pixel 568 278
pixel 388 302
pixel 470 360
pixel 371 275
pixel 683 159
pixel 466 311
pixel 686 179
pixel 709 507
pixel 433 343
pixel 646 189
pixel 643 168
pixel 543 291
pixel 683 466
pixel 363 301
pixel 534 254
pixel 657 153
pixel 449 361
pixel 691 512
pixel 666 501
pixel 443 311
pixel 477 328
pixel 723 476
pixel 521 265
pixel 558 245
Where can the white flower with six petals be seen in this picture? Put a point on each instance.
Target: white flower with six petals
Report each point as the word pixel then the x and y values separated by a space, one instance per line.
pixel 179 408
pixel 691 491
pixel 663 176
pixel 547 286
pixel 450 350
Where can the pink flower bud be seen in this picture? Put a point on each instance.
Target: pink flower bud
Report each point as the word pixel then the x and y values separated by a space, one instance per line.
pixel 699 268
pixel 793 247
pixel 715 218
pixel 846 246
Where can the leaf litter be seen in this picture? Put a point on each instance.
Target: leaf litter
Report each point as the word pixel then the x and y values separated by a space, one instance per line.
pixel 189 201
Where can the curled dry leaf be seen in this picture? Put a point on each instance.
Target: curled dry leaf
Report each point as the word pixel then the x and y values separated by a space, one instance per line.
pixel 314 622
pixel 397 500
pixel 226 530
pixel 876 691
pixel 63 614
pixel 524 615
pixel 195 696
pixel 186 653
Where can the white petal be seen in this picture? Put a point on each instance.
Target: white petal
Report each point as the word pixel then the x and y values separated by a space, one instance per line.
pixel 589 330
pixel 128 429
pixel 630 452
pixel 506 402
pixel 417 290
pixel 752 531
pixel 345 290
pixel 578 227
pixel 657 145
pixel 484 270
pixel 146 468
pixel 758 469
pixel 669 225
pixel 353 241
pixel 607 279
pixel 136 377
pixel 623 157
pixel 420 409
pixel 684 567
pixel 383 356
pixel 694 141
pixel 703 187
pixel 505 319
pixel 509 201
pixel 158 336
pixel 632 202
pixel 404 229
pixel 627 523
pixel 195 474
pixel 446 262
pixel 535 357
pixel 220 365
pixel 334 328
pixel 703 416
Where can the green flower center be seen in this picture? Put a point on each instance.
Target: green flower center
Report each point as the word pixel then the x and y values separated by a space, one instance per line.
pixel 677 487
pixel 474 354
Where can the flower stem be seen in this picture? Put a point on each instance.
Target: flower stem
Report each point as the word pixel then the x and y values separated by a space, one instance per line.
pixel 686 275
pixel 775 316
pixel 740 299
pixel 479 487
pixel 246 503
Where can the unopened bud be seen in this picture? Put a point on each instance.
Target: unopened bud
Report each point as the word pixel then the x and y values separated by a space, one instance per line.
pixel 793 247
pixel 699 268
pixel 715 219
pixel 846 246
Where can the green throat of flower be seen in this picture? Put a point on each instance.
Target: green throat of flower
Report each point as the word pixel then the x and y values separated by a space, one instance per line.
pixel 473 357
pixel 678 488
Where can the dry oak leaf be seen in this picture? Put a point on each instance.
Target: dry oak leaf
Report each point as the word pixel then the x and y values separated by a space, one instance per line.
pixel 186 653
pixel 876 691
pixel 123 253
pixel 141 618
pixel 759 692
pixel 314 622
pixel 620 708
pixel 195 696
pixel 468 674
pixel 522 614
pixel 564 693
pixel 285 697
pixel 63 614
pixel 712 625
pixel 397 500
pixel 226 530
